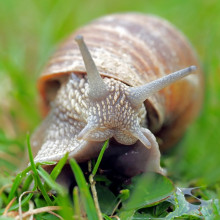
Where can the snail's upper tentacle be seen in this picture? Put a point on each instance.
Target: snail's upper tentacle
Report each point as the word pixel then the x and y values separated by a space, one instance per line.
pixel 97 87
pixel 139 94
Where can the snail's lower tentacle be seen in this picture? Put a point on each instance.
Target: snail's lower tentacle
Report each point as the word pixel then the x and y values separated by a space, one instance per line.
pixel 84 133
pixel 154 158
pixel 138 133
pixel 150 136
pixel 95 133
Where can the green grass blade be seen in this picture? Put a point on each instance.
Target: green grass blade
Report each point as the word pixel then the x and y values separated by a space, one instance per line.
pixel 77 210
pixel 36 176
pixel 84 190
pixel 19 178
pixel 58 168
pixel 15 186
pixel 67 206
pixel 3 199
pixel 49 180
pixel 106 217
pixel 100 158
pixel 17 182
pixel 27 183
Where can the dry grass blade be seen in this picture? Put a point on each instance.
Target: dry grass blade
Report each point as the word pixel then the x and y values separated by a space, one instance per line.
pixel 31 207
pixel 8 206
pixel 95 196
pixel 116 207
pixel 20 197
pixel 87 199
pixel 55 214
pixel 39 210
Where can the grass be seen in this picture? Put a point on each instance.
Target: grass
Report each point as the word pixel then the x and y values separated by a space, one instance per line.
pixel 149 195
pixel 30 31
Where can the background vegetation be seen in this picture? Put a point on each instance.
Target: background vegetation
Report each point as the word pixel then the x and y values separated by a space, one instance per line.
pixel 29 33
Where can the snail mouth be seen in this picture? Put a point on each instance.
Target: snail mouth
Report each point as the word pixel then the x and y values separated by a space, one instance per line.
pixel 119 162
pixel 127 161
pixel 131 160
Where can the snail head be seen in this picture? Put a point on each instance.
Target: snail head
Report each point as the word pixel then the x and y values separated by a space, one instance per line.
pixel 117 110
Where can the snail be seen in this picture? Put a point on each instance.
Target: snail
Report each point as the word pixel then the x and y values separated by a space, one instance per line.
pixel 130 81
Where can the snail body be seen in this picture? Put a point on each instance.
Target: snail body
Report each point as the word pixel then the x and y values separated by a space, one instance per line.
pixel 123 91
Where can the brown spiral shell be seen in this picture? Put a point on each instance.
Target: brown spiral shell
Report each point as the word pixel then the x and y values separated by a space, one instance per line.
pixel 135 49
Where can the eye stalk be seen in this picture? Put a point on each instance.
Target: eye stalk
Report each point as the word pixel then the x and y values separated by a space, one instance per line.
pixel 97 87
pixel 113 105
pixel 139 94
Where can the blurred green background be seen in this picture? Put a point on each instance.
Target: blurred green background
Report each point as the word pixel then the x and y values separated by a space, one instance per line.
pixel 29 33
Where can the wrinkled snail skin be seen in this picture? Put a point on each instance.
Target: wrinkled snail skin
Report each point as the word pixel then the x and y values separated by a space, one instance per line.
pixel 130 81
